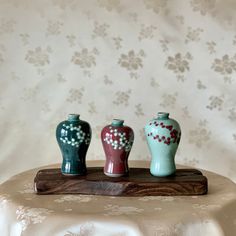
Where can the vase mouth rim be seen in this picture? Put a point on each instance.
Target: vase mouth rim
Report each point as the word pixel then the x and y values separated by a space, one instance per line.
pixel 162 115
pixel 117 122
pixel 73 117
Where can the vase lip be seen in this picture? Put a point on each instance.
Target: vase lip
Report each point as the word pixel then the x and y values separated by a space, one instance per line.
pixel 73 117
pixel 162 115
pixel 117 122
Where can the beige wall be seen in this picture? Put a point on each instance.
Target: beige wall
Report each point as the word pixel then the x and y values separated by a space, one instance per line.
pixel 117 59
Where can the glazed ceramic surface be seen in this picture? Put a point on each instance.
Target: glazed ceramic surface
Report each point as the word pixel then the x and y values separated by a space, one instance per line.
pixel 73 136
pixel 163 137
pixel 117 141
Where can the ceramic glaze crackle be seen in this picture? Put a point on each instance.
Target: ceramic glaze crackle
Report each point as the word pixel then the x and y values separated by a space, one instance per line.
pixel 117 141
pixel 163 137
pixel 73 137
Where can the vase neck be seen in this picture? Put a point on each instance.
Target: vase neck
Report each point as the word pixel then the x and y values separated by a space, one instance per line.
pixel 117 122
pixel 73 117
pixel 162 116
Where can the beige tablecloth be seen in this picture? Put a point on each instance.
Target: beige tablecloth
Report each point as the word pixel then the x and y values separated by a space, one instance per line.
pixel 22 212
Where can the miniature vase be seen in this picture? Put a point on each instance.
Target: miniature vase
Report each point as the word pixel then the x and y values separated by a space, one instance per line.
pixel 117 140
pixel 163 137
pixel 73 137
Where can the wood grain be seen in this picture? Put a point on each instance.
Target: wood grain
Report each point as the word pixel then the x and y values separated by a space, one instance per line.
pixel 139 182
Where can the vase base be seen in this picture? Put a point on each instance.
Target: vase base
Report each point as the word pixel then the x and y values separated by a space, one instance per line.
pixel 67 174
pixel 114 175
pixel 164 175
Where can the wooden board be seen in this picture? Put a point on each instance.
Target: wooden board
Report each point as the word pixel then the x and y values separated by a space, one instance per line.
pixel 139 182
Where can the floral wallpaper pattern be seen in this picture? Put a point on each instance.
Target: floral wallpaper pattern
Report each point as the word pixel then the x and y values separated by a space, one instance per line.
pixel 108 59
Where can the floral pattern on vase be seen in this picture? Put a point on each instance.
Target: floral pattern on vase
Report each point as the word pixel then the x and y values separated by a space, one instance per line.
pixel 117 141
pixel 163 137
pixel 73 137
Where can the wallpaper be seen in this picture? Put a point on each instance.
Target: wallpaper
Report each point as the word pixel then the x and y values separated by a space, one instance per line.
pixel 108 59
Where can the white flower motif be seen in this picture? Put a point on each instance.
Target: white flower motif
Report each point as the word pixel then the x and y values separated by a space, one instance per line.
pixel 74 198
pixel 79 134
pixel 157 198
pixel 86 229
pixel 120 143
pixel 87 139
pixel 27 188
pixel 116 210
pixel 27 215
pixel 206 207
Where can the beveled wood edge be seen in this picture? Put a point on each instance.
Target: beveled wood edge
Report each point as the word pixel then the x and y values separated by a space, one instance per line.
pixel 204 182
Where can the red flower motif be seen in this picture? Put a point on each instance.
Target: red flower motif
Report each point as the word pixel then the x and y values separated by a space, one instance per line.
pixel 174 134
pixel 169 127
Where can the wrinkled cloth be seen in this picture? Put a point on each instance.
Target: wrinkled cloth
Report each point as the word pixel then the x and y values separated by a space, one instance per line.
pixel 22 212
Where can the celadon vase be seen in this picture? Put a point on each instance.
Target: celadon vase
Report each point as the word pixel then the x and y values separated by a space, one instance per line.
pixel 163 137
pixel 73 137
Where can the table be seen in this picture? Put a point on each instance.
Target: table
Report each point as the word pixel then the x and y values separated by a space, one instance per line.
pixel 22 212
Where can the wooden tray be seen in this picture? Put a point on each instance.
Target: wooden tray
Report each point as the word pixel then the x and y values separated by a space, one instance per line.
pixel 139 182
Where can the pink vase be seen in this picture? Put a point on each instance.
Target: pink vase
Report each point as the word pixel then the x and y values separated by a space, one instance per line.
pixel 117 141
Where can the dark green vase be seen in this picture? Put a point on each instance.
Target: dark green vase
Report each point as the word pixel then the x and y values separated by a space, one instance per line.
pixel 73 136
